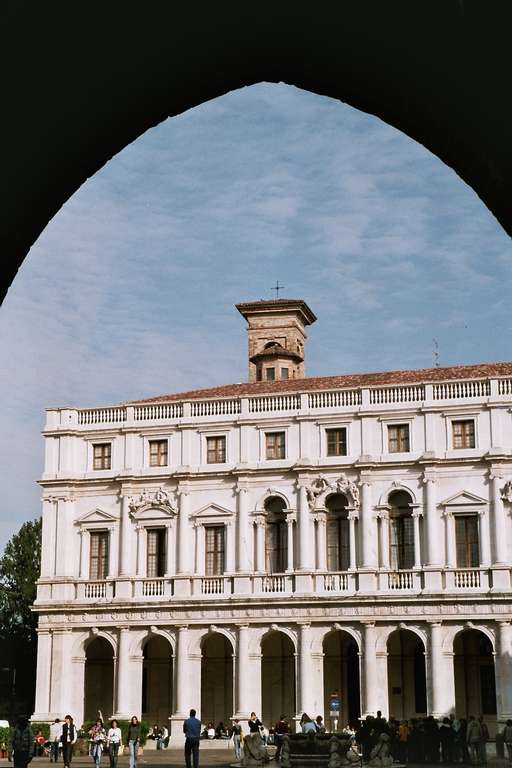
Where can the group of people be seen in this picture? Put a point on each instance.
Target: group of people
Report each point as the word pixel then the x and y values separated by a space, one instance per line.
pixel 160 734
pixel 427 740
pixel 24 745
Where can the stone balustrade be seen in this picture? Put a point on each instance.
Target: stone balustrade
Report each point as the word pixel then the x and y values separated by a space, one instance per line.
pixel 421 395
pixel 453 581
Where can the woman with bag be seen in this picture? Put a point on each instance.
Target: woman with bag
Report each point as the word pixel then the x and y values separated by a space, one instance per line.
pixel 68 738
pixel 114 741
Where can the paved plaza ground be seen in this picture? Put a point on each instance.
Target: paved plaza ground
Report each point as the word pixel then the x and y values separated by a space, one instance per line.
pixel 207 757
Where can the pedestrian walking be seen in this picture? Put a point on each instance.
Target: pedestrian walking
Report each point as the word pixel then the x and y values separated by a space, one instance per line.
pixel 507 738
pixel 68 739
pixel 22 743
pixel 98 738
pixel 114 742
pixel 55 734
pixel 473 737
pixel 237 739
pixel 133 740
pixel 192 731
pixel 484 738
pixel 280 729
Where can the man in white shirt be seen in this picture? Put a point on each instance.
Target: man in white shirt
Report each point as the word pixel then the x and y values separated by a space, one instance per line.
pixel 55 734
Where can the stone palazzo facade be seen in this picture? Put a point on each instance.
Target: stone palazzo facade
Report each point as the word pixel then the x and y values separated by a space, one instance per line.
pixel 265 545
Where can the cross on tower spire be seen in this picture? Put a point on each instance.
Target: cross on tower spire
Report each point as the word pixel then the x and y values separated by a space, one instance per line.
pixel 277 288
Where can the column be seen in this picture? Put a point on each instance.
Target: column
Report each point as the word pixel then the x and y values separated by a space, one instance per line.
pixel 434 550
pixel 352 517
pixel 43 681
pixel 230 547
pixel 181 669
pixel 113 563
pixel 417 539
pixel 65 561
pixel 368 524
pixel 442 677
pixel 48 539
pixel 183 532
pixel 304 697
pixel 384 538
pixel 504 671
pixel 62 685
pixel 304 523
pixel 451 554
pixel 321 542
pixel 485 538
pixel 260 544
pixel 290 520
pixel 85 541
pixel 499 521
pixel 125 551
pixel 123 674
pixel 140 560
pixel 244 529
pixel 242 706
pixel 369 688
pixel 200 551
pixel 169 541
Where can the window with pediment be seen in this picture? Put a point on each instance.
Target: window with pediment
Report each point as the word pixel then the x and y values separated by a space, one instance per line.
pixel 338 533
pixel 401 531
pixel 276 535
pixel 156 553
pixel 466 541
pixel 98 555
pixel 214 550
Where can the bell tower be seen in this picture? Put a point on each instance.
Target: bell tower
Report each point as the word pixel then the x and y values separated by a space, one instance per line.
pixel 276 336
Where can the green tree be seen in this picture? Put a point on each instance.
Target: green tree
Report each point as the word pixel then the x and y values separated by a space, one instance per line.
pixel 19 570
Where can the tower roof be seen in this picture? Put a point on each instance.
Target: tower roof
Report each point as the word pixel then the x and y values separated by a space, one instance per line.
pixel 264 306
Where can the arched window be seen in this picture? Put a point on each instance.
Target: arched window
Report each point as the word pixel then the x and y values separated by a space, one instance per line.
pixel 276 536
pixel 401 531
pixel 338 535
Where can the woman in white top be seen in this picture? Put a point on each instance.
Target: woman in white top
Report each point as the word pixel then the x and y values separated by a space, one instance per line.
pixel 114 740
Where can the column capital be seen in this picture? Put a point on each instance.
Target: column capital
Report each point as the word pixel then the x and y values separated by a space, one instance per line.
pixel 353 514
pixel 242 486
pixel 259 520
pixel 242 626
pixel 182 627
pixel 365 479
pixel 304 624
pixel 367 623
pixel 428 477
pixel 124 629
pixel 434 622
pixel 503 622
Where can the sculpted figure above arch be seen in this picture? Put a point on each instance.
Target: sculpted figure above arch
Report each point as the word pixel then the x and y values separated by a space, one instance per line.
pixel 320 488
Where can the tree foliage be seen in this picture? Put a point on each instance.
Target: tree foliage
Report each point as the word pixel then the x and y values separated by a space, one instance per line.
pixel 19 570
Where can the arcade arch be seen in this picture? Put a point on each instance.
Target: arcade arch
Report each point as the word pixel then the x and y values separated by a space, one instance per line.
pixel 475 681
pixel 216 679
pixel 98 679
pixel 157 680
pixel 277 677
pixel 342 676
pixel 407 681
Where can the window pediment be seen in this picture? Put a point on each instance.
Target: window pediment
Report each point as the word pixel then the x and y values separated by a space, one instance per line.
pixel 464 499
pixel 211 512
pixel 96 516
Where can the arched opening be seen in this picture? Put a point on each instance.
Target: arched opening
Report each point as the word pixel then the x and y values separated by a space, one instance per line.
pixel 338 533
pixel 407 681
pixel 216 679
pixel 157 671
pixel 401 531
pixel 276 536
pixel 341 675
pixel 277 678
pixel 475 683
pixel 99 679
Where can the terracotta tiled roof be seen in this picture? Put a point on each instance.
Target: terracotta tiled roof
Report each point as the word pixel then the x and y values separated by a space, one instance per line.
pixel 318 383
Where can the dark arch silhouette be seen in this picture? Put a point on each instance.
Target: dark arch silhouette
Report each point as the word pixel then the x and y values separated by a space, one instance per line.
pixel 87 79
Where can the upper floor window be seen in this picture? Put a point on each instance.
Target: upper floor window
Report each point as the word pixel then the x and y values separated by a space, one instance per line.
pixel 398 438
pixel 98 555
pixel 401 532
pixel 338 533
pixel 270 374
pixel 158 453
pixel 276 536
pixel 463 433
pixel 102 455
pixel 336 442
pixel 156 549
pixel 275 445
pixel 216 450
pixel 214 565
pixel 284 373
pixel 466 540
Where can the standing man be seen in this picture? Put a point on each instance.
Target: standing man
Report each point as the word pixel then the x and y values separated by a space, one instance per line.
pixel 55 734
pixel 192 731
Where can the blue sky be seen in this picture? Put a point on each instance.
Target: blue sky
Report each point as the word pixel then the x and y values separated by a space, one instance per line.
pixel 130 290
